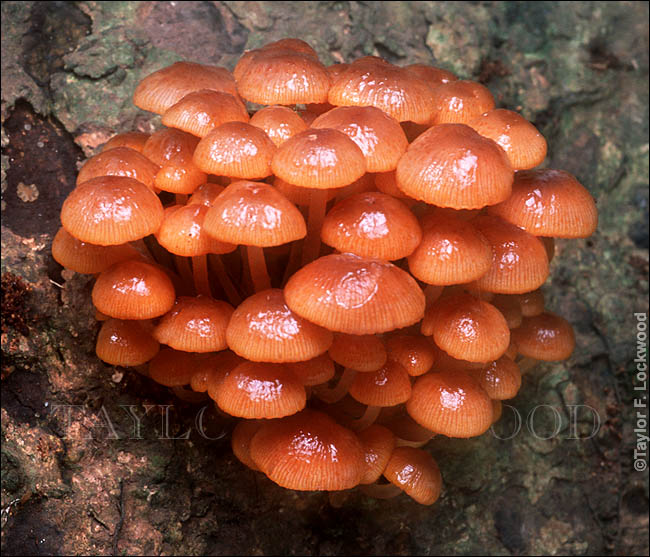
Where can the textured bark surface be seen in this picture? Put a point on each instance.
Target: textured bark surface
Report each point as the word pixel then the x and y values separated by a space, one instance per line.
pixel 79 479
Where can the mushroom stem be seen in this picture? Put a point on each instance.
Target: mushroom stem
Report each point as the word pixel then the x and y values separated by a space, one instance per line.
pixel 315 218
pixel 257 264
pixel 368 418
pixel 188 396
pixel 201 280
pixel 335 394
pixel 294 262
pixel 160 254
pixel 224 279
pixel 380 491
pixel 399 442
pixel 142 247
pixel 184 269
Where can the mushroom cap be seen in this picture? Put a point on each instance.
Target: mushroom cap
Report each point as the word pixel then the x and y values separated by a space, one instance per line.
pixel 313 372
pixel 182 232
pixel 319 159
pixel 299 195
pixel 133 289
pixel 292 43
pixel 378 135
pixel 236 149
pixel 531 303
pixel 548 202
pixel 450 165
pixel 415 353
pixel 279 123
pixel 132 140
pixel 111 210
pixel 241 438
pixel 173 368
pixel 445 362
pixel 546 337
pixel 407 430
pixel 470 288
pixel 371 81
pixel 195 324
pixel 172 150
pixel 500 379
pixel 363 185
pixel 519 260
pixel 432 292
pixel 524 145
pixel 86 258
pixel 388 386
pixel 512 349
pixel 164 88
pixel 254 214
pixel 309 452
pixel 372 224
pixel 264 329
pixel 460 102
pixel 350 294
pixel 358 352
pixel 119 161
pixel 125 343
pixel 168 144
pixel 431 75
pixel 386 182
pixel 467 328
pixel 179 176
pixel 452 251
pixel 451 403
pixel 260 390
pixel 211 370
pixel 200 112
pixel 283 76
pixel 510 307
pixel 416 473
pixel 379 443
pixel 205 194
pixel 297 46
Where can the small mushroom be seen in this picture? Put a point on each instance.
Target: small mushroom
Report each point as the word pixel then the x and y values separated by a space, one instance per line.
pixel 309 452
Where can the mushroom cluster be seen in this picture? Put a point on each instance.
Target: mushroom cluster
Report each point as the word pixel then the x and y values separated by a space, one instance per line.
pixel 349 270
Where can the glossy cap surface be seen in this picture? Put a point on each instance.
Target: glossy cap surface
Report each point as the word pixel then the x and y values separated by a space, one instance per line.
pixel 451 165
pixel 264 329
pixel 350 294
pixel 549 202
pixel 450 403
pixel 111 210
pixel 309 452
pixel 254 214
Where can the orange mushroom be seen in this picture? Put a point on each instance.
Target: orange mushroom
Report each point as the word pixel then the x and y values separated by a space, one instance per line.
pixel 549 202
pixel 264 329
pixel 162 89
pixel 354 295
pixel 111 210
pixel 450 403
pixel 450 165
pixel 309 452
